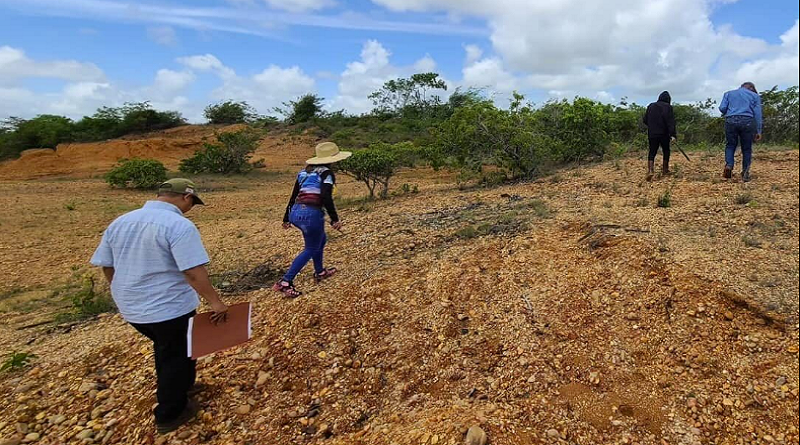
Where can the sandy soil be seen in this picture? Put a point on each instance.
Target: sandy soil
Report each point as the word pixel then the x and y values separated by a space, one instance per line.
pixel 566 310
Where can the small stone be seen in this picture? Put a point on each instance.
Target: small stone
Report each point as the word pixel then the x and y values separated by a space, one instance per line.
pixel 262 378
pixel 10 442
pixel 255 356
pixel 727 402
pixel 85 434
pixel 87 387
pixel 160 441
pixel 728 315
pixel 184 435
pixel 31 437
pixel 553 433
pixel 243 409
pixel 57 419
pixel 475 436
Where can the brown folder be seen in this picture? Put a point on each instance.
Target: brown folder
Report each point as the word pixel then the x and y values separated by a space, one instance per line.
pixel 204 337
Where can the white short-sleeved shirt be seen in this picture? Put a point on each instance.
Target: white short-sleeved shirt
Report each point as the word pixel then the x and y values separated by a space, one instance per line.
pixel 149 249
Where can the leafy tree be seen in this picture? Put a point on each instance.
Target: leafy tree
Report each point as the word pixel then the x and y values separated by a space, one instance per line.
pixel 43 131
pixel 781 114
pixel 133 117
pixel 482 134
pixel 229 155
pixel 230 112
pixel 140 117
pixel 697 122
pixel 137 173
pixel 303 109
pixel 397 95
pixel 376 165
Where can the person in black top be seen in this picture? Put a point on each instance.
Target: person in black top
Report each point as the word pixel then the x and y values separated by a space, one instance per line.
pixel 660 121
pixel 311 198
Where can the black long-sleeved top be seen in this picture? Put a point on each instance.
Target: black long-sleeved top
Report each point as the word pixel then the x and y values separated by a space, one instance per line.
pixel 325 195
pixel 660 117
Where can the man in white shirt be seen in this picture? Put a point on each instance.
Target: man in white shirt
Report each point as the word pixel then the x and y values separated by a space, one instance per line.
pixel 155 262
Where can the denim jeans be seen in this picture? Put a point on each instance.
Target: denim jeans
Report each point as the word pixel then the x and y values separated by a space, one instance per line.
pixel 311 221
pixel 739 129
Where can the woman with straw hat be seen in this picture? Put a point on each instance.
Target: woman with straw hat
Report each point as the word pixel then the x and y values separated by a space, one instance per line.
pixel 311 198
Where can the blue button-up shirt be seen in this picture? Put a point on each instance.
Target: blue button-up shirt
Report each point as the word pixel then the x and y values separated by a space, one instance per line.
pixel 742 102
pixel 149 249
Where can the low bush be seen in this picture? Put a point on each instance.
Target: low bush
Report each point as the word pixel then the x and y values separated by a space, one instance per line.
pixel 137 173
pixel 16 360
pixel 230 112
pixel 376 165
pixel 229 155
pixel 665 200
pixel 84 298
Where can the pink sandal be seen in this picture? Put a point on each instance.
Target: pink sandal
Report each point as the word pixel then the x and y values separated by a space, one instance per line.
pixel 287 289
pixel 325 274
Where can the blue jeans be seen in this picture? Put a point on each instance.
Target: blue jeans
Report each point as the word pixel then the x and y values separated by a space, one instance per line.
pixel 310 221
pixel 739 129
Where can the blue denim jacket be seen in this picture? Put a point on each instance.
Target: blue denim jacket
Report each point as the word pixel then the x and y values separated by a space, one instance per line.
pixel 742 102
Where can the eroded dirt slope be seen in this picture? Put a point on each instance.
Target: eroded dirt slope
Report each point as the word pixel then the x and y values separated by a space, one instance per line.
pixel 571 310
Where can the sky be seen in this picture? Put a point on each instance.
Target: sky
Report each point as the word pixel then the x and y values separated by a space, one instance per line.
pixel 69 57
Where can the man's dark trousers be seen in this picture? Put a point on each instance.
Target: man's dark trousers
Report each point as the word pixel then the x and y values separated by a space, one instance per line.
pixel 175 371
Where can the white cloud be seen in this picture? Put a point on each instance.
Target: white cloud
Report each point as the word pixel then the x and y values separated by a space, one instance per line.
pixel 474 53
pixel 783 68
pixel 163 35
pixel 85 88
pixel 362 77
pixel 207 62
pixel 169 81
pixel 264 91
pixel 15 65
pixel 300 5
pixel 425 65
pixel 599 45
pixel 490 74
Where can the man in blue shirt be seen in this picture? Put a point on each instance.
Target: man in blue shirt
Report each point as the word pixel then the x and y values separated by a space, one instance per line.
pixel 743 123
pixel 155 262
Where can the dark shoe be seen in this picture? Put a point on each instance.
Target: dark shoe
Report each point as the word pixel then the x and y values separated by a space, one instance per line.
pixel 325 274
pixel 746 176
pixel 650 170
pixel 728 172
pixel 196 389
pixel 287 289
pixel 186 415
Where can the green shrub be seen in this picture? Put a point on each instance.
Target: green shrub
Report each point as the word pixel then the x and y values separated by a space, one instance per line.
pixel 85 300
pixel 137 173
pixel 302 110
pixel 16 360
pixel 665 200
pixel 229 155
pixel 230 112
pixel 43 131
pixel 743 199
pixel 374 167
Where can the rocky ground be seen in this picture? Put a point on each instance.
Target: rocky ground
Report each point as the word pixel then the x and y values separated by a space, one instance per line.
pixel 571 310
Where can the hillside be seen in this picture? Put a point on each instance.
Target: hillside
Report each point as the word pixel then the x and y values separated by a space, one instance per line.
pixel 569 310
pixel 91 159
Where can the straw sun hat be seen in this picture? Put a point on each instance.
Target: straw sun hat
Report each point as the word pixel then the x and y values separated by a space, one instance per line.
pixel 328 153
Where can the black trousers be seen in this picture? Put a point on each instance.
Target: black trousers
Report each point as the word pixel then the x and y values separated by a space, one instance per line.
pixel 175 371
pixel 655 142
